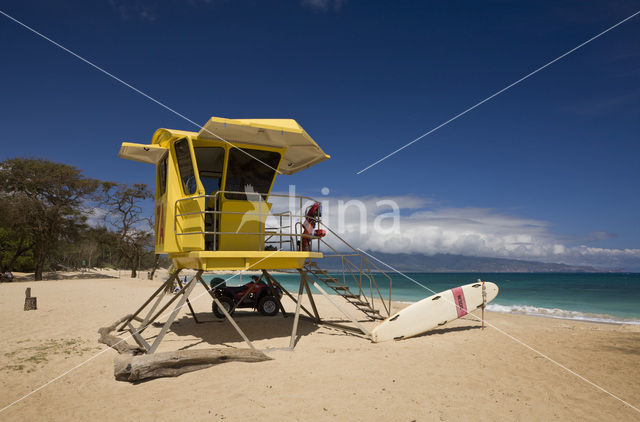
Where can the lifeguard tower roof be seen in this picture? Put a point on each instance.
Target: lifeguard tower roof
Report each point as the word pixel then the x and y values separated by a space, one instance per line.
pixel 301 150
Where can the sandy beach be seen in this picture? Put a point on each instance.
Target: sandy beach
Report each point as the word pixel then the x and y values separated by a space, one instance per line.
pixel 458 372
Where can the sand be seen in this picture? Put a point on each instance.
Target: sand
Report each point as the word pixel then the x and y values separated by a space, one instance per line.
pixel 458 372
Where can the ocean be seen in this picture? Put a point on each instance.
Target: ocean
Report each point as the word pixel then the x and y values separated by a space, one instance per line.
pixel 598 297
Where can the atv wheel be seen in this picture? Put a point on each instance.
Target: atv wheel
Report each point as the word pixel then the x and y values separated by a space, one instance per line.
pixel 226 302
pixel 268 306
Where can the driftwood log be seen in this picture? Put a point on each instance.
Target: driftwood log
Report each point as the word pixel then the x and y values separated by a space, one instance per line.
pixel 171 364
pixel 116 342
pixel 132 365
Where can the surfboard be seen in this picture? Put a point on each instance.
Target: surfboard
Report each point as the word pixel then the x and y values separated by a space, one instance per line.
pixel 433 311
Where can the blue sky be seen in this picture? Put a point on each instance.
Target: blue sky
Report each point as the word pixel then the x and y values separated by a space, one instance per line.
pixel 552 161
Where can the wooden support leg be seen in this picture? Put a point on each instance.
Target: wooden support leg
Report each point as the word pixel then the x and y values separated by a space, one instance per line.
pixel 296 317
pixel 193 313
pixel 272 289
pixel 290 296
pixel 179 295
pixel 313 302
pixel 161 289
pixel 226 314
pixel 138 338
pixel 184 292
pixel 243 296
pixel 161 296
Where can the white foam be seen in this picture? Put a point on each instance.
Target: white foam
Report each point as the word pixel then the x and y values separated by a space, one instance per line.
pixel 559 313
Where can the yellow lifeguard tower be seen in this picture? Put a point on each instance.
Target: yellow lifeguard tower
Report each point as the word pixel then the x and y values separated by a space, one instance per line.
pixel 212 189
pixel 211 208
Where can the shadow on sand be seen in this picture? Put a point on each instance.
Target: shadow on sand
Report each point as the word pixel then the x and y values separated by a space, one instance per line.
pixel 439 331
pixel 216 331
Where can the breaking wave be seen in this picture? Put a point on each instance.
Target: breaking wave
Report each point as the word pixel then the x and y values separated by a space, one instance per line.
pixel 559 313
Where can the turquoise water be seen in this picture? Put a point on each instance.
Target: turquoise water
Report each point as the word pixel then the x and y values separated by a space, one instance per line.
pixel 595 297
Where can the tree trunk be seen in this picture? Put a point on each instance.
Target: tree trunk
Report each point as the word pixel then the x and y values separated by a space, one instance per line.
pixel 155 266
pixel 131 263
pixel 37 276
pixel 19 251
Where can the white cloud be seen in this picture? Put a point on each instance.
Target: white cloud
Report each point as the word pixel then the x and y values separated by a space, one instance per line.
pixel 95 216
pixel 137 9
pixel 426 227
pixel 323 5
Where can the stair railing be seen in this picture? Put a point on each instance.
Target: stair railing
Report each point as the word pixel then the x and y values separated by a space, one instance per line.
pixel 363 270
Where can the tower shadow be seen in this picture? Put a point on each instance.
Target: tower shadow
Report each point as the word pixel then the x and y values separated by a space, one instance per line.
pixel 214 331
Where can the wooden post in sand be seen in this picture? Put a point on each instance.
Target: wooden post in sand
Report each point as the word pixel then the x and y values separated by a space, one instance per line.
pixel 30 303
pixel 484 301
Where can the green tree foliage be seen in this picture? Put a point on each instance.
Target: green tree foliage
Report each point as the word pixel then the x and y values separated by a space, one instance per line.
pixel 125 215
pixel 44 209
pixel 16 236
pixel 51 196
pixel 95 247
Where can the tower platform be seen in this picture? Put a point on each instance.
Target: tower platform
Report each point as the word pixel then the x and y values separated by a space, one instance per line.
pixel 242 260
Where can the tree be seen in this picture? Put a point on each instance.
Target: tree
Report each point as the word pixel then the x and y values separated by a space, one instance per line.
pixel 16 238
pixel 125 214
pixel 56 194
pixel 87 249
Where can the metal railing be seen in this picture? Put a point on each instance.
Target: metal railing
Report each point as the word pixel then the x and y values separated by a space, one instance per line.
pixel 294 220
pixel 360 273
pixel 286 236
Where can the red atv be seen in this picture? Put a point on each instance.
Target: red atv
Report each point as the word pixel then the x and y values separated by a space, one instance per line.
pixel 256 294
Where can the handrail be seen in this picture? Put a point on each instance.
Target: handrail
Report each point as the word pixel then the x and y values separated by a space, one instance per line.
pixel 364 270
pixel 357 272
pixel 261 198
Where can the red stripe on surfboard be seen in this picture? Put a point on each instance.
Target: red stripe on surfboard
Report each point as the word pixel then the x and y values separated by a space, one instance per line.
pixel 461 303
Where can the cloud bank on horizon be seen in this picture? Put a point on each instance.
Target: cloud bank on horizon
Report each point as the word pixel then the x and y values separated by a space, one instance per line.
pixel 424 226
pixel 414 225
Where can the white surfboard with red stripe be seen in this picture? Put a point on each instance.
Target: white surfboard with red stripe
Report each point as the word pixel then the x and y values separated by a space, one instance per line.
pixel 434 311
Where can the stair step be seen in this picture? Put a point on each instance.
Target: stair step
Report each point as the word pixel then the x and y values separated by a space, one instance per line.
pixel 329 280
pixel 371 311
pixel 344 288
pixel 350 296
